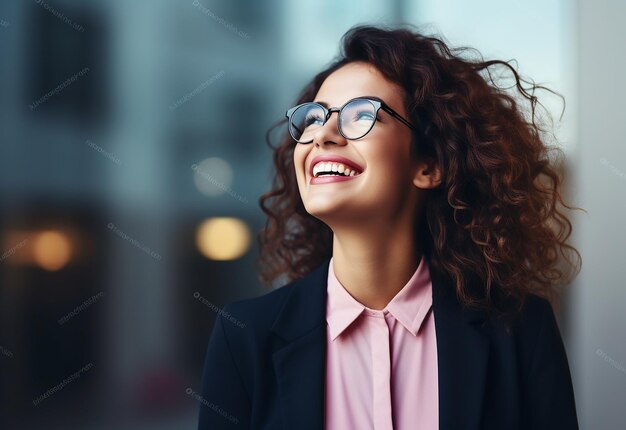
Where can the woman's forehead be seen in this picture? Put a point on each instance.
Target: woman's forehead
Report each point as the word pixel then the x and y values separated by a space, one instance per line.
pixel 356 80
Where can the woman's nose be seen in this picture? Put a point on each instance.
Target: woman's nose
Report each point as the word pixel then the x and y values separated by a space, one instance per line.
pixel 329 132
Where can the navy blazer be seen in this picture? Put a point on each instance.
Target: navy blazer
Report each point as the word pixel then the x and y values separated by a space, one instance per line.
pixel 266 360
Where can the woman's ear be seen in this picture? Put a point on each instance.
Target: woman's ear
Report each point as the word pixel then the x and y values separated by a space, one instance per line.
pixel 427 173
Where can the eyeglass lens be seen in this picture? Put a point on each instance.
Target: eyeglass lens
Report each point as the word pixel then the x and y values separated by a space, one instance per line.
pixel 355 120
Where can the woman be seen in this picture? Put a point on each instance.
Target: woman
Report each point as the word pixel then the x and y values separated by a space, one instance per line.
pixel 414 215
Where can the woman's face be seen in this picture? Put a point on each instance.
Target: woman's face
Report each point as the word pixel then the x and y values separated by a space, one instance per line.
pixel 384 187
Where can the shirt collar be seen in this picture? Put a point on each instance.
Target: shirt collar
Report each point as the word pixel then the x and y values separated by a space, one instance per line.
pixel 409 306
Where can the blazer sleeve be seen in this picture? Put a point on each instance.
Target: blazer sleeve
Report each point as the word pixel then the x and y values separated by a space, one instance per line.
pixel 224 402
pixel 550 394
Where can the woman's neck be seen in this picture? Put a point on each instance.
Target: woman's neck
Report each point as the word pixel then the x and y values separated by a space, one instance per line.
pixel 375 266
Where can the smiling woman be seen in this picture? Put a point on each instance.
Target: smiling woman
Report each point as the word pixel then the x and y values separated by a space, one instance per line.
pixel 419 232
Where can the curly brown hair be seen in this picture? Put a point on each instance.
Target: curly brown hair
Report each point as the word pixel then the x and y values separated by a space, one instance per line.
pixel 493 221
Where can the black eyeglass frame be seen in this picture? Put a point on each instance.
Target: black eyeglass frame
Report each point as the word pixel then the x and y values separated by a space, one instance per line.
pixel 376 102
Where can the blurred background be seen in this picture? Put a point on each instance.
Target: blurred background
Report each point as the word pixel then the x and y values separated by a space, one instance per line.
pixel 132 157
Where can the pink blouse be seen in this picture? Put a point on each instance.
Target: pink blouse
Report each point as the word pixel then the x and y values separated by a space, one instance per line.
pixel 381 365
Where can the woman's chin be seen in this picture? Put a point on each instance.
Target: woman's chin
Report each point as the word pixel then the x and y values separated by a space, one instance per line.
pixel 333 212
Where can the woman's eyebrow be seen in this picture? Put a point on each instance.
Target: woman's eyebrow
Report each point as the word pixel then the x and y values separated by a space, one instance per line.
pixel 374 98
pixel 365 97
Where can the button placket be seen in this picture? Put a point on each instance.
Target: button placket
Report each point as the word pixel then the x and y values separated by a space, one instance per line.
pixel 381 369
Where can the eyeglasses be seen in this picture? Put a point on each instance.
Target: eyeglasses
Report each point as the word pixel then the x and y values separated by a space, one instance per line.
pixel 356 118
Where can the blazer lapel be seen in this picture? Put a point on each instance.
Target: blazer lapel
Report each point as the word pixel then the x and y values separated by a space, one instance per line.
pixel 300 365
pixel 462 355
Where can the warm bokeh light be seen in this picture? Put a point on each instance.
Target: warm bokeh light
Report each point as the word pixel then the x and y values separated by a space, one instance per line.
pixel 223 238
pixel 51 250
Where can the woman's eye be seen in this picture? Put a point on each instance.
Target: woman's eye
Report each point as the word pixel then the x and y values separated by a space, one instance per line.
pixel 312 119
pixel 363 116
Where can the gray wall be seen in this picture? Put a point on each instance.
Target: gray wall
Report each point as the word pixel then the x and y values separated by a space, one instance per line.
pixel 597 332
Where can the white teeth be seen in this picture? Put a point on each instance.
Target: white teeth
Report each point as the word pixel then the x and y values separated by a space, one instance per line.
pixel 333 167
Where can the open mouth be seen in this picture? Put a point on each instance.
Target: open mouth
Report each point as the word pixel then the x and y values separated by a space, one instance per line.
pixel 326 168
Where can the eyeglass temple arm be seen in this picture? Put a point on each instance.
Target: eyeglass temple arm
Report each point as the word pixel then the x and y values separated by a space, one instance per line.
pixel 398 116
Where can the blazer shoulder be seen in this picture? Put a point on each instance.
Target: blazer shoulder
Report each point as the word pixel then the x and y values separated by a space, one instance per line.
pixel 529 321
pixel 533 313
pixel 257 313
pixel 537 330
pixel 548 391
pixel 301 300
